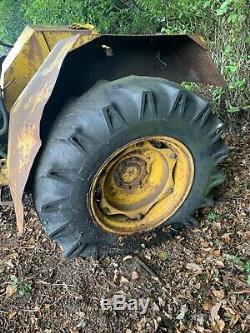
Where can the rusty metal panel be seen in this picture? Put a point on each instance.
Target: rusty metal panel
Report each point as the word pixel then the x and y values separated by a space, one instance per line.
pixel 25 117
pixel 21 64
pixel 27 55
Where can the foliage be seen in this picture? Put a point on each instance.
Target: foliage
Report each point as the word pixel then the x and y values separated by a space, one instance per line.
pixel 212 216
pixel 247 271
pixel 224 24
pixel 21 287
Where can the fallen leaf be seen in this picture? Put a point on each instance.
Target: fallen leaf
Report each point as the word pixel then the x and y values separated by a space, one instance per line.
pixel 123 280
pixel 234 320
pixel 214 311
pixel 199 329
pixel 11 315
pixel 218 293
pixel 228 309
pixel 207 306
pixel 193 267
pixel 218 325
pixel 116 275
pixel 141 324
pixel 134 276
pixel 182 312
pixel 10 291
pixel 182 327
pixel 127 258
pixel 219 264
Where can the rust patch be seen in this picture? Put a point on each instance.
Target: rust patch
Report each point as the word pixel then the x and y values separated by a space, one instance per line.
pixel 25 117
pixel 26 143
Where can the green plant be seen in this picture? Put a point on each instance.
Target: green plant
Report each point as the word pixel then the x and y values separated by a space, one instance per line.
pixel 235 259
pixel 202 277
pixel 247 271
pixel 212 216
pixel 223 23
pixel 21 287
pixel 165 255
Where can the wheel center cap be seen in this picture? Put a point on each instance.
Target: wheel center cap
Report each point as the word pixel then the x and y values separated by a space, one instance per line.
pixel 130 172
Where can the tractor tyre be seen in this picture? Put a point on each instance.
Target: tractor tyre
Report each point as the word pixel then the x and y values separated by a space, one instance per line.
pixel 127 157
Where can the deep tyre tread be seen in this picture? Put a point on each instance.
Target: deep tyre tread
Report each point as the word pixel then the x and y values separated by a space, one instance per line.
pixel 103 120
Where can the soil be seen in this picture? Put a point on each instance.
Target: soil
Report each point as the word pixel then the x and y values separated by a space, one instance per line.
pixel 198 281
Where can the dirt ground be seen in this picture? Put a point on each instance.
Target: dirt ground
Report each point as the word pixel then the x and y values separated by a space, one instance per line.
pixel 196 282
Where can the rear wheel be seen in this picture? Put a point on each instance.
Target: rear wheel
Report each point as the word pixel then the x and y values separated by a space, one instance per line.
pixel 127 157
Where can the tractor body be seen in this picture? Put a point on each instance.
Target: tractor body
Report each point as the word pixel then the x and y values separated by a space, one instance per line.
pixel 49 65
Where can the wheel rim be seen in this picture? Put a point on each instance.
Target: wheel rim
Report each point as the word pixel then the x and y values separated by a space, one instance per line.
pixel 141 185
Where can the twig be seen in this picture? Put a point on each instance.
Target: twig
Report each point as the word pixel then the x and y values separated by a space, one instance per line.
pixel 57 301
pixel 149 270
pixel 28 310
pixel 55 284
pixel 246 291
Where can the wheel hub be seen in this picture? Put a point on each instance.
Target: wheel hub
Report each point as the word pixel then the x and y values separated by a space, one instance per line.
pixel 130 173
pixel 141 185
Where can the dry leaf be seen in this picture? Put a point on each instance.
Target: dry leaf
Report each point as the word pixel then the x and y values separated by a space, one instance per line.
pixel 11 315
pixel 127 258
pixel 228 309
pixel 214 312
pixel 207 306
pixel 123 280
pixel 182 313
pixel 199 329
pixel 141 324
pixel 10 290
pixel 134 276
pixel 218 326
pixel 219 264
pixel 182 327
pixel 193 267
pixel 234 320
pixel 218 293
pixel 116 275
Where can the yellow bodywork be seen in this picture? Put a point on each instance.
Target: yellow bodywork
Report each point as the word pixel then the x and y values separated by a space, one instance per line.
pixel 32 69
pixel 35 52
pixel 28 54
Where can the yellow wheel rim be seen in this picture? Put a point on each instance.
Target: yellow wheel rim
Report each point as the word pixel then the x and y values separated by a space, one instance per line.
pixel 141 185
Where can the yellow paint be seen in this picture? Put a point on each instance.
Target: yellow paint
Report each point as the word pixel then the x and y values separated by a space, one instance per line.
pixel 29 53
pixel 3 172
pixel 22 63
pixel 80 26
pixel 27 141
pixel 142 185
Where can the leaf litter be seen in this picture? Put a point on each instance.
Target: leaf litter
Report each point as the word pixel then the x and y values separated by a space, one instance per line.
pixel 196 281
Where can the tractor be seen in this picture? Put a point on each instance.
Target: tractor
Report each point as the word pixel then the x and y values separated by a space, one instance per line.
pixel 101 131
